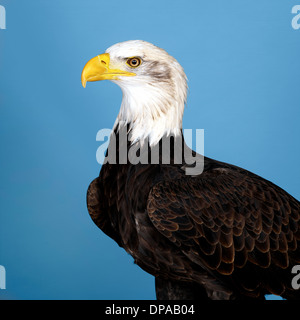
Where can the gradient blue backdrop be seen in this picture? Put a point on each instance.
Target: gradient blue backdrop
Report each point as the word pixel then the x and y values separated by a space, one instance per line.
pixel 242 62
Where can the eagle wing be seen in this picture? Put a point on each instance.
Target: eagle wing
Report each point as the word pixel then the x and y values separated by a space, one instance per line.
pixel 98 209
pixel 231 222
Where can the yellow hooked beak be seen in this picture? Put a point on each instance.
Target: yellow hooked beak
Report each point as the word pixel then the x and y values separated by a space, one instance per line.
pixel 98 69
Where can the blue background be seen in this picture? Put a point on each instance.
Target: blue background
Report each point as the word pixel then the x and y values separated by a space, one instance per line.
pixel 242 62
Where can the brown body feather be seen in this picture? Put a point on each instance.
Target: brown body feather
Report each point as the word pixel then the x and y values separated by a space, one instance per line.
pixel 226 232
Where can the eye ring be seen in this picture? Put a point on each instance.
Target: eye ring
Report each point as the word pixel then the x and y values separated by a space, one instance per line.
pixel 134 62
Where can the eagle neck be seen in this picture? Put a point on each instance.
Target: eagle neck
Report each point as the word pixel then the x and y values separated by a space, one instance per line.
pixel 151 112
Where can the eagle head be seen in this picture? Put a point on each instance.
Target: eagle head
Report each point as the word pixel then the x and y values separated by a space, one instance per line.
pixel 153 83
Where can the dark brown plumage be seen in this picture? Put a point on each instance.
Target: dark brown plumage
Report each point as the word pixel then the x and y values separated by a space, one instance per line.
pixel 224 234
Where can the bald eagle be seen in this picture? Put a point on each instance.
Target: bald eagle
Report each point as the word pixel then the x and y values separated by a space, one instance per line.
pixel 224 233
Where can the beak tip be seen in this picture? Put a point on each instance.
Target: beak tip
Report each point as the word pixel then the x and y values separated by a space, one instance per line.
pixel 83 82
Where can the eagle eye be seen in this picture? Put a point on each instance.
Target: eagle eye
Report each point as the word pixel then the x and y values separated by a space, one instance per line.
pixel 134 62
